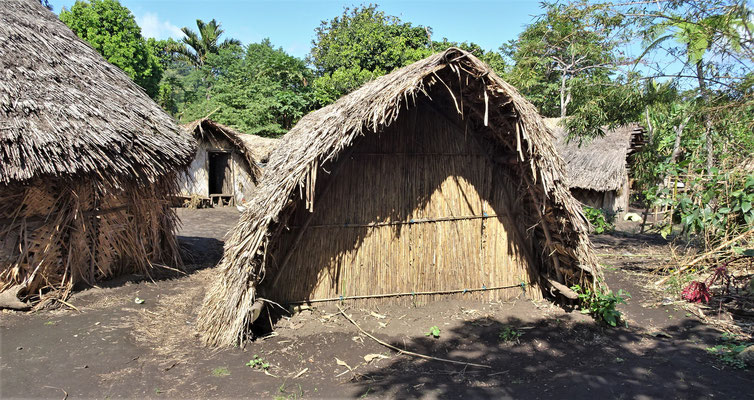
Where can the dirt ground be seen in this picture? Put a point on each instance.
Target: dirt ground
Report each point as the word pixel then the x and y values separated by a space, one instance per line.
pixel 115 348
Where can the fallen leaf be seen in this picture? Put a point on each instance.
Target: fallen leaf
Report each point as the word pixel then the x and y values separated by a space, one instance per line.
pixel 343 363
pixel 382 324
pixel 370 357
pixel 378 316
pixel 138 301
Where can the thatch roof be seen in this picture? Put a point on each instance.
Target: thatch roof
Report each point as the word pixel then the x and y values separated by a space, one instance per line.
pixel 255 149
pixel 599 164
pixel 65 111
pixel 454 81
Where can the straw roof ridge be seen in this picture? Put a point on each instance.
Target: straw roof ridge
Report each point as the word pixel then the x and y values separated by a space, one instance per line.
pixel 323 135
pixel 600 164
pixel 66 112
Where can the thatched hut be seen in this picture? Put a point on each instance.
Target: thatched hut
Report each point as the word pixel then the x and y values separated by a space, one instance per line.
pixel 437 179
pixel 598 169
pixel 227 164
pixel 87 162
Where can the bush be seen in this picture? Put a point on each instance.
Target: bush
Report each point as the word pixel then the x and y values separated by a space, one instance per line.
pixel 600 221
pixel 601 305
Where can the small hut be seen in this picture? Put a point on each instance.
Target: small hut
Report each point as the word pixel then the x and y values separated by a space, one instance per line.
pixel 87 162
pixel 438 179
pixel 598 169
pixel 227 164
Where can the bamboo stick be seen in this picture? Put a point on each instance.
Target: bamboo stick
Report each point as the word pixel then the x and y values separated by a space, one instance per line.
pixel 411 353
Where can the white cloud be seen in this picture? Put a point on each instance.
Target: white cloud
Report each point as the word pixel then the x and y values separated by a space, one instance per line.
pixel 152 26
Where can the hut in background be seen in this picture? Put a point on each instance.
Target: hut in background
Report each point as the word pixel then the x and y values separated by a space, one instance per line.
pixel 598 170
pixel 227 164
pixel 437 179
pixel 87 162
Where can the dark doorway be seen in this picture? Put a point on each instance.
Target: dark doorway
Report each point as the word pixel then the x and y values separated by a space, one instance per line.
pixel 220 176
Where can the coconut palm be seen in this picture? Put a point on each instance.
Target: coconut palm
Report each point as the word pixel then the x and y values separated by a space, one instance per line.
pixel 196 46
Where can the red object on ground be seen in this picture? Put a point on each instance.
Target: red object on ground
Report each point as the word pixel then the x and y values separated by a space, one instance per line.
pixel 696 292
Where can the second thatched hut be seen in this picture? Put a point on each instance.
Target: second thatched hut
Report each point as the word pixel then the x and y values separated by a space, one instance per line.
pixel 438 179
pixel 87 162
pixel 227 164
pixel 598 169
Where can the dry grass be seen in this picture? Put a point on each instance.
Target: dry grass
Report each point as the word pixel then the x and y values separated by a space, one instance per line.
pixel 459 86
pixel 57 234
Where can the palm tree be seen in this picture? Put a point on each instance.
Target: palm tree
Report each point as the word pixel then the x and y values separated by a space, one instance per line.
pixel 195 47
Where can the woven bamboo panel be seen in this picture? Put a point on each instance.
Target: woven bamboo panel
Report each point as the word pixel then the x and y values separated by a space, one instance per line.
pixel 371 232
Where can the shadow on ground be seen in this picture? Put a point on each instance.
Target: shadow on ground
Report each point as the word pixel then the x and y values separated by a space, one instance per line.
pixel 559 358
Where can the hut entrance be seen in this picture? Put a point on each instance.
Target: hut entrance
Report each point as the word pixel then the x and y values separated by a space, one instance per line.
pixel 220 178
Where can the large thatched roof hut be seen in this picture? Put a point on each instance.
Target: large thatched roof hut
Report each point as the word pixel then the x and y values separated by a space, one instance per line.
pixel 439 178
pixel 227 163
pixel 87 161
pixel 598 169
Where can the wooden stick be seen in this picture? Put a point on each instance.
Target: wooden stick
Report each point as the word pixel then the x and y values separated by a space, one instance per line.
pixel 426 293
pixel 410 222
pixel 411 353
pixel 705 256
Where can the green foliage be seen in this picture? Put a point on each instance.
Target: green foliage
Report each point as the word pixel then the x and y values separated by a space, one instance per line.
pixel 220 372
pixel 111 29
pixel 729 349
pixel 601 305
pixel 261 90
pixel 365 38
pixel 196 47
pixel 433 332
pixel 510 334
pixel 364 43
pixel 564 63
pixel 600 221
pixel 258 363
pixel 330 87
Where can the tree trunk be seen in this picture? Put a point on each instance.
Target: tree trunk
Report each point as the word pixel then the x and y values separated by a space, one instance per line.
pixel 707 120
pixel 565 96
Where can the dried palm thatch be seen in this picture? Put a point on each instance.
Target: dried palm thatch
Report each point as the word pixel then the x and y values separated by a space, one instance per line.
pixel 86 162
pixel 602 163
pixel 455 85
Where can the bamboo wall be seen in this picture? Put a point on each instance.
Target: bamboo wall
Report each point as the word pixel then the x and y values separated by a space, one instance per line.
pixel 362 240
pixel 55 234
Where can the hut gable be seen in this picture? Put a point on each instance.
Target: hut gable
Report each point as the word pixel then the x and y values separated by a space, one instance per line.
pixel 422 179
pixel 65 111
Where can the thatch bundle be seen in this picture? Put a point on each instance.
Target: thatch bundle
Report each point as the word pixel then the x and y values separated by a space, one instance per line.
pixel 438 129
pixel 87 161
pixel 601 163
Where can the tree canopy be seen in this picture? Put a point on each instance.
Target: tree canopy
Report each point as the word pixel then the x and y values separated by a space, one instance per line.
pixel 111 29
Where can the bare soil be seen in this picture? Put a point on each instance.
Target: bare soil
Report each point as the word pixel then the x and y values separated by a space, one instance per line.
pixel 114 347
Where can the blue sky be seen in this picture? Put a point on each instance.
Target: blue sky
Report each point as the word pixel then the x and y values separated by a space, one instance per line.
pixel 290 24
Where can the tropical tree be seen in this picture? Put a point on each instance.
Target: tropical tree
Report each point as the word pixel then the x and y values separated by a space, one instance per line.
pixel 259 90
pixel 566 63
pixel 111 29
pixel 197 46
